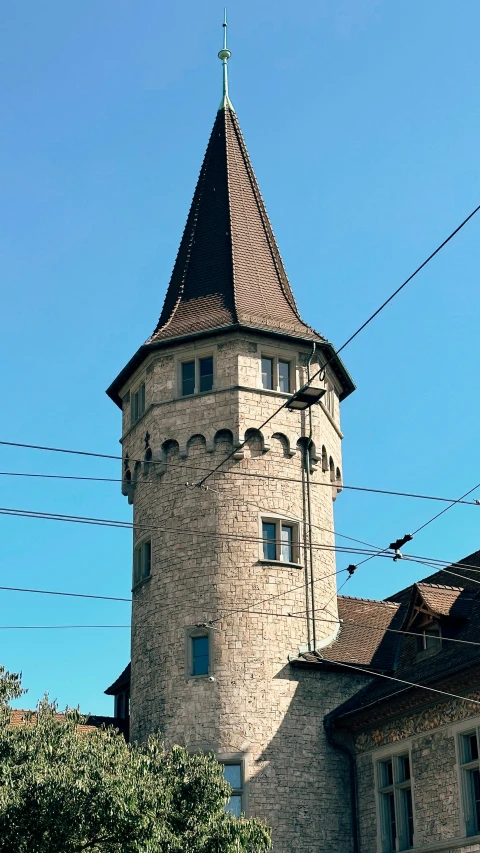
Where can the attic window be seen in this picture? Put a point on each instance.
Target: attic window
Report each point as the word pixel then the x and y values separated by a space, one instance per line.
pixel 430 638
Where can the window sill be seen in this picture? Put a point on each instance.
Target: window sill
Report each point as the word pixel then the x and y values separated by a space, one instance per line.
pixel 445 844
pixel 141 583
pixel 207 676
pixel 195 394
pixel 281 563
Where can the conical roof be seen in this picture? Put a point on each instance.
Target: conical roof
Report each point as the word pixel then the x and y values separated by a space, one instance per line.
pixel 228 270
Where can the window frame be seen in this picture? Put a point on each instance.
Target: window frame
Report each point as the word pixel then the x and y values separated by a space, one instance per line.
pixel 140 577
pixel 276 358
pixel 196 358
pixel 242 759
pixel 397 789
pixel 191 633
pixel 137 412
pixel 280 521
pixel 470 816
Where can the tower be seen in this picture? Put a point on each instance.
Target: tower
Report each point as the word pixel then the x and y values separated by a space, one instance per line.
pixel 220 559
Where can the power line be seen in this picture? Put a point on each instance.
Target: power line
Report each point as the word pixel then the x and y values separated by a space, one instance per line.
pixel 69 594
pixel 230 473
pixel 446 509
pixel 403 681
pixel 349 340
pixel 54 627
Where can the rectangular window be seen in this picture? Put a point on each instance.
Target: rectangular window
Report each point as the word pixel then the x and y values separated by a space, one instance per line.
pixel 232 774
pixel 284 376
pixel 200 655
pixel 188 378
pixel 276 374
pixel 395 802
pixel 470 774
pixel 206 373
pixel 137 404
pixel 287 542
pixel 280 540
pixel 196 376
pixel 430 638
pixel 269 543
pixel 142 562
pixel 267 373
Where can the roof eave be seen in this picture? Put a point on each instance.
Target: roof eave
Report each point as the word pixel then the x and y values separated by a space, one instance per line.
pixel 113 391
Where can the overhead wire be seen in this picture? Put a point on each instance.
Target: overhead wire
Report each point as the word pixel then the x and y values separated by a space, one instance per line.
pixel 349 340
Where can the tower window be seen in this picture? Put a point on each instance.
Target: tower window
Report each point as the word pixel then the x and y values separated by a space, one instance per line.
pixel 200 655
pixel 233 774
pixel 137 404
pixel 395 803
pixel 280 540
pixel 206 373
pixel 196 376
pixel 142 561
pixel 276 374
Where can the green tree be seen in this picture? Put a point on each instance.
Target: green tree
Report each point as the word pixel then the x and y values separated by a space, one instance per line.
pixel 67 791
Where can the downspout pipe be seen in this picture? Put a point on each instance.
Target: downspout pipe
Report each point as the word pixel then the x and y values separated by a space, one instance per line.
pixel 330 731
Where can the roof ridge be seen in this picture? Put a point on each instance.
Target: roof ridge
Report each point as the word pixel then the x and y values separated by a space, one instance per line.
pixel 395 604
pixel 235 307
pixel 440 586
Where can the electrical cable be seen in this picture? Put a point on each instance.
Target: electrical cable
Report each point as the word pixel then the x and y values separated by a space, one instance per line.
pixel 146 480
pixel 349 340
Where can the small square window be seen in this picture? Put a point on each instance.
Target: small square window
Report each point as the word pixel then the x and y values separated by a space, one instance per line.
pixel 142 562
pixel 232 773
pixel 137 404
pixel 280 540
pixel 277 374
pixel 200 655
pixel 196 376
pixel 188 378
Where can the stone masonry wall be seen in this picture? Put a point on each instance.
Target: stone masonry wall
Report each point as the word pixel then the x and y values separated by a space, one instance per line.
pixel 429 736
pixel 207 564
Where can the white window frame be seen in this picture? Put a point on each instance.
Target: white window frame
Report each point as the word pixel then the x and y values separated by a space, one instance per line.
pixel 469 825
pixel 196 358
pixel 140 577
pixel 278 521
pixel 393 753
pixel 275 358
pixel 135 417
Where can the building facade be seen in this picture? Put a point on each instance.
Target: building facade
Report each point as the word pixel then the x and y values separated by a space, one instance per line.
pixel 240 644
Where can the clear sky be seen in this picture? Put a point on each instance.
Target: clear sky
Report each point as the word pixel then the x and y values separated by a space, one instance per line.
pixel 362 123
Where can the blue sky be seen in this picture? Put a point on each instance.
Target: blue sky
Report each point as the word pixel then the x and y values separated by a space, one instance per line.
pixel 362 122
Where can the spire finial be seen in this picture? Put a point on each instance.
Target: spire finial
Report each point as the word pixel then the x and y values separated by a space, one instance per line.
pixel 225 55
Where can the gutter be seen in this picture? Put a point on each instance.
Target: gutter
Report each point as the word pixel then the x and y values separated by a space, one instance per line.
pixel 352 766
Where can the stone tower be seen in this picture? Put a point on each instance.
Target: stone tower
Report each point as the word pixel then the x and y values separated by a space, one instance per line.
pixel 217 568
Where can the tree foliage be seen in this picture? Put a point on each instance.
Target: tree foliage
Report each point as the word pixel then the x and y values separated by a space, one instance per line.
pixel 67 791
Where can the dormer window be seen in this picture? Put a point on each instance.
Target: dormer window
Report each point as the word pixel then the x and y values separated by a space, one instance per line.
pixel 430 638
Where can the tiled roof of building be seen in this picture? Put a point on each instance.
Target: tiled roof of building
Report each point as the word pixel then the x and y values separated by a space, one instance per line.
pixel 228 272
pixel 458 610
pixel 228 268
pixel 21 717
pixel 362 638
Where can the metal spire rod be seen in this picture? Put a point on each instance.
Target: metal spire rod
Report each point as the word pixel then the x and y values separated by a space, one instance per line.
pixel 225 55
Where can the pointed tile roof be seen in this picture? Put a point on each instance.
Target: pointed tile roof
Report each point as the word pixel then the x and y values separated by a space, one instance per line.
pixel 228 272
pixel 228 269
